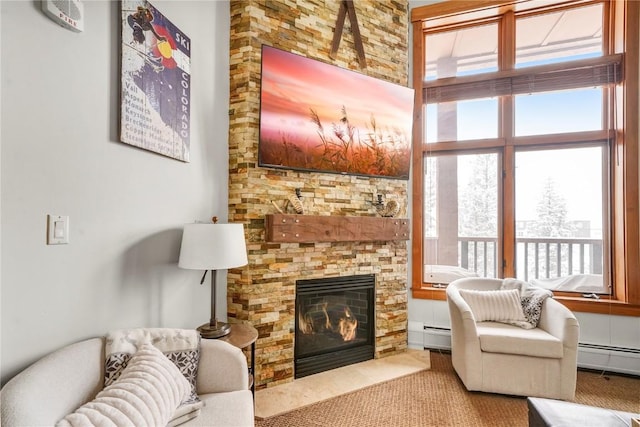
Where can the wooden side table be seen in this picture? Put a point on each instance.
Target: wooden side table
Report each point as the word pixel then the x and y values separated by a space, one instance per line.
pixel 242 336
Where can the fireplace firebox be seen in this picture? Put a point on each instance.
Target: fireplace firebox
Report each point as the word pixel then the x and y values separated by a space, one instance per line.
pixel 335 323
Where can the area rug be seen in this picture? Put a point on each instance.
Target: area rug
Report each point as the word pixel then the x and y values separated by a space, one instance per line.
pixel 437 398
pixel 316 388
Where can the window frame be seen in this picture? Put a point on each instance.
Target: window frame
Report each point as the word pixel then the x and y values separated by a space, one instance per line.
pixel 625 217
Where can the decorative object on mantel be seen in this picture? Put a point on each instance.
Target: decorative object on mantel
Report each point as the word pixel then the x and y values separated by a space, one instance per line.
pixel 213 246
pixel 294 200
pixel 391 209
pixel 346 6
pixel 322 228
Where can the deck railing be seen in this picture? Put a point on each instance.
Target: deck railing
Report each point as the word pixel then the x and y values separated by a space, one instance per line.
pixel 537 257
pixel 479 254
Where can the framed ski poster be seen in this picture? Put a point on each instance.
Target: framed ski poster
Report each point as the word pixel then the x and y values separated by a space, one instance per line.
pixel 155 82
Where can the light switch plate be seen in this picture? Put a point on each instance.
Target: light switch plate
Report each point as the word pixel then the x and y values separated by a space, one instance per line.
pixel 57 230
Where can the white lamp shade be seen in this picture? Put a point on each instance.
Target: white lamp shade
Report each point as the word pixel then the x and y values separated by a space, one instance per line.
pixel 208 246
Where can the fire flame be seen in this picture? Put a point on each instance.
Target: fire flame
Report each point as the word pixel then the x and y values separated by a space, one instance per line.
pixel 346 324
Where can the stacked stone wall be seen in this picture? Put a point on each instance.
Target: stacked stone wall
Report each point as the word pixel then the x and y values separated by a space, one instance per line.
pixel 263 292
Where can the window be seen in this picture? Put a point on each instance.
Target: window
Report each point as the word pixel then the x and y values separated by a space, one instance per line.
pixel 461 213
pixel 562 218
pixel 526 158
pixel 560 35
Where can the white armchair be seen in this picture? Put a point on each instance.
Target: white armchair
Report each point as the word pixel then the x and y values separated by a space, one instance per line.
pixel 501 358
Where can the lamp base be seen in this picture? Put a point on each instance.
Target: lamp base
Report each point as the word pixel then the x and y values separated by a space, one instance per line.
pixel 219 330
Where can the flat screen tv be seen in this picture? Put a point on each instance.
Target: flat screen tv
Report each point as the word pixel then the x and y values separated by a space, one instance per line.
pixel 319 117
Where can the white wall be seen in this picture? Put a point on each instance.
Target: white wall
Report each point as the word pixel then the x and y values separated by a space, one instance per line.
pixel 61 155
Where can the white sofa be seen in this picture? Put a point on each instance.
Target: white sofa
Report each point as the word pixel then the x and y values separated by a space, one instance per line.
pixel 59 383
pixel 501 358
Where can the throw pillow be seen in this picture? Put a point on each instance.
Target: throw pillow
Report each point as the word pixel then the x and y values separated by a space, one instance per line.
pixel 531 298
pixel 181 346
pixel 532 308
pixel 496 306
pixel 147 393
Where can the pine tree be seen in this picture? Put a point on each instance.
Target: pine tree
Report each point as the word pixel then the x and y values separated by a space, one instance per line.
pixel 551 221
pixel 479 199
pixel 551 212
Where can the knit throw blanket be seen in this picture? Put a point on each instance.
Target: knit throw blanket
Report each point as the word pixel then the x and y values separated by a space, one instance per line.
pixel 181 346
pixel 531 299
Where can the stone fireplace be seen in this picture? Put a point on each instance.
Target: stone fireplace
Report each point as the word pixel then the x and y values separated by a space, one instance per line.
pixel 264 292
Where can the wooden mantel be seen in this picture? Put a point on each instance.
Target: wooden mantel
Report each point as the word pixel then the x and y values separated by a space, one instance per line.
pixel 283 228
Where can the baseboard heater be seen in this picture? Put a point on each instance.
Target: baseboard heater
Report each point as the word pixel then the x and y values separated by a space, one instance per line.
pixel 624 360
pixel 437 338
pixel 600 357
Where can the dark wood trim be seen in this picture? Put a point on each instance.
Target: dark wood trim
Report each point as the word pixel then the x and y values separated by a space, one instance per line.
pixel 506 187
pixel 417 161
pixel 618 255
pixel 508 214
pixel 484 8
pixel 283 228
pixel 346 7
pixel 475 144
pixel 337 32
pixel 429 293
pixel 595 136
pixel 617 308
pixel 448 13
pixel 631 212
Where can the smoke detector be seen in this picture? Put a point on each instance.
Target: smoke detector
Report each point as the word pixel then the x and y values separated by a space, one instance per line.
pixel 67 13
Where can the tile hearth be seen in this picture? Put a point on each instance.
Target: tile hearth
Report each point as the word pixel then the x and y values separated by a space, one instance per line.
pixel 325 385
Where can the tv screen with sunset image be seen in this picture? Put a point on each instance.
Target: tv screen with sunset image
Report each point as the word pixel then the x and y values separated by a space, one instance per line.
pixel 319 117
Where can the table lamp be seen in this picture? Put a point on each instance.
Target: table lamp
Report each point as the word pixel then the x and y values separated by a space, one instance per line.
pixel 212 246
